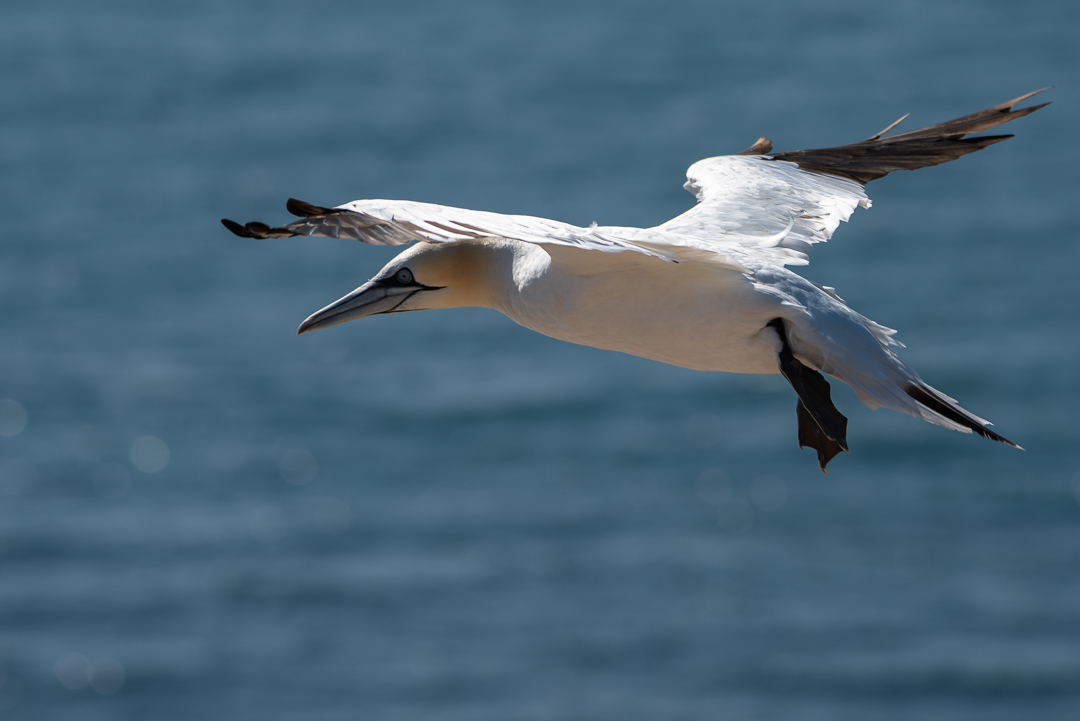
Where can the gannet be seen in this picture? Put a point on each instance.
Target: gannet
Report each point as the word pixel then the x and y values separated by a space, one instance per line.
pixel 708 290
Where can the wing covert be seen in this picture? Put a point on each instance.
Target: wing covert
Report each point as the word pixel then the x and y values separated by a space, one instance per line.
pixel 768 207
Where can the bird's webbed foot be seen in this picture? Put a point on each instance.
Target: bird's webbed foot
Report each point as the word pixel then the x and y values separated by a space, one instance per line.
pixel 821 426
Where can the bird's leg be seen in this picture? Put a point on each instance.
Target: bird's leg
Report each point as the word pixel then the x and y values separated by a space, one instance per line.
pixel 821 426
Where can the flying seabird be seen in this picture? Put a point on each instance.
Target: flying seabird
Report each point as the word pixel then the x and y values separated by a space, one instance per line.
pixel 707 290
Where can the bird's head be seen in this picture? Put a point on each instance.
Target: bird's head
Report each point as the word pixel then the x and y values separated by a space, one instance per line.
pixel 424 277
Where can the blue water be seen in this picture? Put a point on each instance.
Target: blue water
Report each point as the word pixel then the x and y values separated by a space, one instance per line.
pixel 445 516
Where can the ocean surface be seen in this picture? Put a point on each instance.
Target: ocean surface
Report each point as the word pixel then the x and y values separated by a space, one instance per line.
pixel 446 516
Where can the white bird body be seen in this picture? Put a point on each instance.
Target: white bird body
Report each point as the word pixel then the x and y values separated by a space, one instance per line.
pixel 707 290
pixel 692 315
pixel 699 316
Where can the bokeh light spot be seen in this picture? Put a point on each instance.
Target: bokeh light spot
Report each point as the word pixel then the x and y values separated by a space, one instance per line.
pixel 768 493
pixel 72 671
pixel 149 454
pixel 298 466
pixel 12 417
pixel 106 676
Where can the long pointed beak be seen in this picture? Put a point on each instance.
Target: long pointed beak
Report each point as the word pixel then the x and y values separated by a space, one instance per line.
pixel 372 298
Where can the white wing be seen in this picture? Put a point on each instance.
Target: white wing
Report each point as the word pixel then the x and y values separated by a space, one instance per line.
pixel 772 209
pixel 771 202
pixel 397 222
pixel 753 208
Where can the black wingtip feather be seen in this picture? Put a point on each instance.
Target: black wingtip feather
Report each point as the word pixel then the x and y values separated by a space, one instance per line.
pixel 925 397
pixel 236 228
pixel 303 209
pixel 882 154
pixel 257 230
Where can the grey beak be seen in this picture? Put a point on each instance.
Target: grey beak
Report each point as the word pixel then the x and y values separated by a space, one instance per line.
pixel 372 298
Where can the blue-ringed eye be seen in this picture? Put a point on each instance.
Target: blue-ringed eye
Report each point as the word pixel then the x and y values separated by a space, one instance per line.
pixel 404 276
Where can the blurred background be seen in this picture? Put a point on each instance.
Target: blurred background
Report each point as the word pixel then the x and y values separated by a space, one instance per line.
pixel 445 516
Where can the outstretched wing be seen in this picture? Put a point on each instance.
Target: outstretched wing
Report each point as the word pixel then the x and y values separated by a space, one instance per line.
pixel 397 222
pixel 764 205
pixel 755 207
pixel 758 193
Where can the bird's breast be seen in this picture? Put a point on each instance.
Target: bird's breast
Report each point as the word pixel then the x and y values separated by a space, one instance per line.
pixel 686 314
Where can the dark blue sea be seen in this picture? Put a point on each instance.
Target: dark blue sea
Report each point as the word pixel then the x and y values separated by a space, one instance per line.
pixel 445 516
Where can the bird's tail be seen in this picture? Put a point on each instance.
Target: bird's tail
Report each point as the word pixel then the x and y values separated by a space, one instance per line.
pixel 859 352
pixel 893 384
pixel 939 408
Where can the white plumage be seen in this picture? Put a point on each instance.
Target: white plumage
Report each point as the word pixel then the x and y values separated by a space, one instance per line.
pixel 707 290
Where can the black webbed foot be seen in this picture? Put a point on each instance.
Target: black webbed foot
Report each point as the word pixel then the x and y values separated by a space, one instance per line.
pixel 811 436
pixel 821 426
